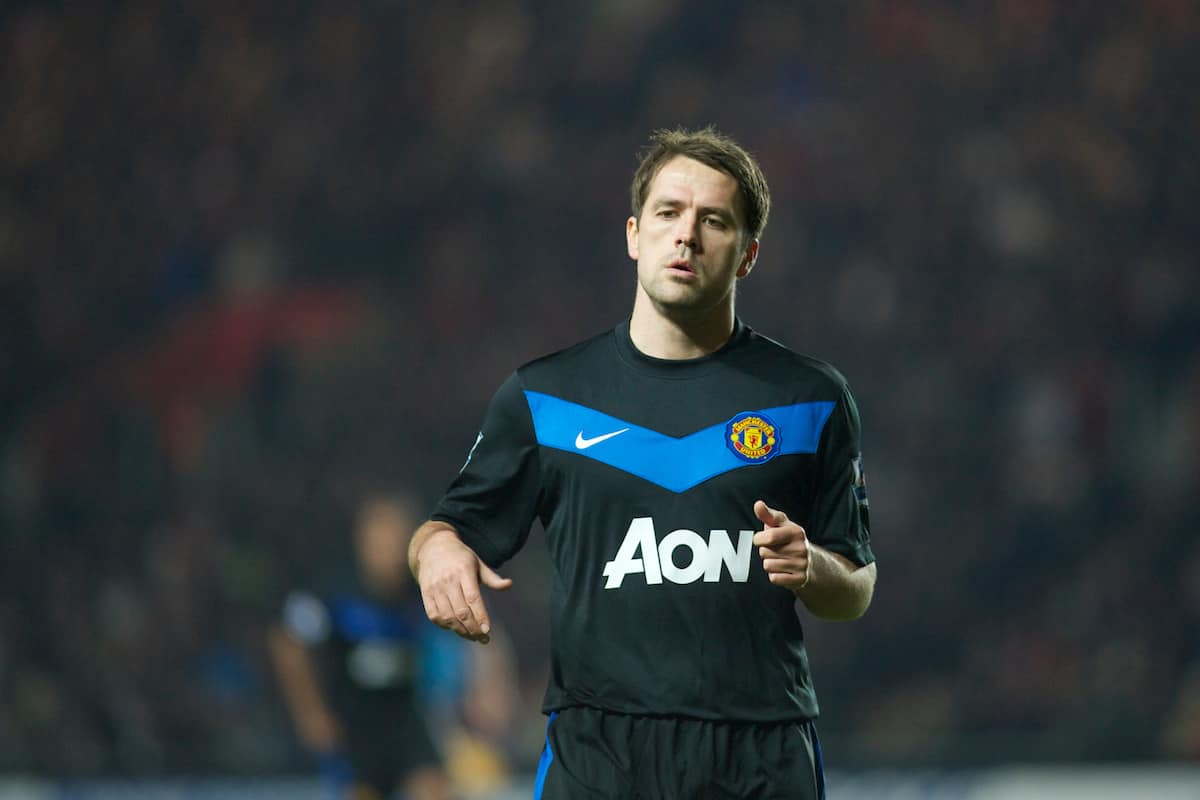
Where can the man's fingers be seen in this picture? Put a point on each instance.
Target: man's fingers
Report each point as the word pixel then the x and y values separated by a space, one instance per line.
pixel 790 539
pixel 479 611
pixel 769 516
pixel 431 608
pixel 786 573
pixel 491 579
pixel 790 550
pixel 770 538
pixel 767 553
pixel 463 601
pixel 446 607
pixel 453 600
pixel 443 615
pixel 784 565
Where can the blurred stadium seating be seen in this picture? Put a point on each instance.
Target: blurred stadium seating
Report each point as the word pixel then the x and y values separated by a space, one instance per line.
pixel 251 262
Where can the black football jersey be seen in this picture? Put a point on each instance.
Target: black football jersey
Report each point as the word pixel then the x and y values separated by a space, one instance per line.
pixel 644 473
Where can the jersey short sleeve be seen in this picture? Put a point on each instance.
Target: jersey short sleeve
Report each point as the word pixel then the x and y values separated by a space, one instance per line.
pixel 841 520
pixel 493 500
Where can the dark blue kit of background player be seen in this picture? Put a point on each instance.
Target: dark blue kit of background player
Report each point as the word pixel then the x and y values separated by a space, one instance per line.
pixel 368 652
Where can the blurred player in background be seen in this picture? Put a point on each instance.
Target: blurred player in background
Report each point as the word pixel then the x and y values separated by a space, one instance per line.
pixel 349 659
pixel 694 479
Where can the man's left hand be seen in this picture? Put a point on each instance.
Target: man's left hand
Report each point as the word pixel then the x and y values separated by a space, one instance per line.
pixel 783 547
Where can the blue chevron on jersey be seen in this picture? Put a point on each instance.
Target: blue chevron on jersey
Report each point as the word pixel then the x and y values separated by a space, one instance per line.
pixel 676 464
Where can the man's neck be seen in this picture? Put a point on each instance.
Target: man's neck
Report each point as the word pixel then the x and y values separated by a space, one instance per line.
pixel 660 335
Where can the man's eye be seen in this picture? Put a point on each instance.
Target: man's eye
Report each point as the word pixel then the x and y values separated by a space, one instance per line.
pixel 714 222
pixel 667 213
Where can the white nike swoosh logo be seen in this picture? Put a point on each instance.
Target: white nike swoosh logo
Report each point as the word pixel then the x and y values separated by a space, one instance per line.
pixel 584 444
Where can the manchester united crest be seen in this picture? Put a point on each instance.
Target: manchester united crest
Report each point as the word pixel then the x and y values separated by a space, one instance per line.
pixel 752 436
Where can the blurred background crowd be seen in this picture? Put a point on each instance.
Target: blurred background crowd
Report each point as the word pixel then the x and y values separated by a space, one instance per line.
pixel 255 261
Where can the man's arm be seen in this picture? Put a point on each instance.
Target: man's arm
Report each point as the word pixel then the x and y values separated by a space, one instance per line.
pixel 837 588
pixel 449 573
pixel 830 585
pixel 316 725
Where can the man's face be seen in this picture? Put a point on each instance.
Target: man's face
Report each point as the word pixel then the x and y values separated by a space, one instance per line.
pixel 690 243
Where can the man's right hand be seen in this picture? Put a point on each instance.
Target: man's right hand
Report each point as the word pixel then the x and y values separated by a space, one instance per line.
pixel 449 574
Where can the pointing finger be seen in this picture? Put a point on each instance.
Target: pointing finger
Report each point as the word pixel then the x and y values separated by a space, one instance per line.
pixel 769 516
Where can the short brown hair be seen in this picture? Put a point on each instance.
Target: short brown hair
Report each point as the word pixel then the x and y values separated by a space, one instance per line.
pixel 714 149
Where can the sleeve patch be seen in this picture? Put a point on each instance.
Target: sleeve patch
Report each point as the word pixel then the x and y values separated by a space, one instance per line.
pixel 859 485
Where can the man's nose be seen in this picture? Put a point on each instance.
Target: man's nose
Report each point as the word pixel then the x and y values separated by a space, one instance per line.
pixel 685 234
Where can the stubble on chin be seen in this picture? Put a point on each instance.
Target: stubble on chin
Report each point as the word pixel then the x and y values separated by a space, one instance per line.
pixel 682 302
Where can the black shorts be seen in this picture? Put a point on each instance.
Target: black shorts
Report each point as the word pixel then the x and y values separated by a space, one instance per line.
pixel 597 754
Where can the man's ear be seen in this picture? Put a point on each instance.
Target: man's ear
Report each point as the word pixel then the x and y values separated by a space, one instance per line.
pixel 748 259
pixel 631 237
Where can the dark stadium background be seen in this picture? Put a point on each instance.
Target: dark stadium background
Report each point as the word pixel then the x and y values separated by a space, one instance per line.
pixel 256 257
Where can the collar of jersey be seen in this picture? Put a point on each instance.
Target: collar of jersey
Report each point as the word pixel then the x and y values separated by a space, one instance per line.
pixel 675 369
